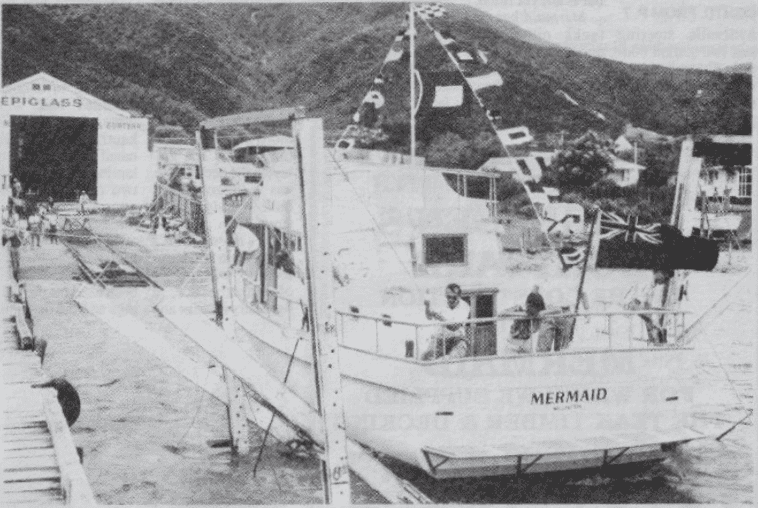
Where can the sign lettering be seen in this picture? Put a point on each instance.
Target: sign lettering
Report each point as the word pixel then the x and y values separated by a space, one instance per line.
pixel 562 397
pixel 44 102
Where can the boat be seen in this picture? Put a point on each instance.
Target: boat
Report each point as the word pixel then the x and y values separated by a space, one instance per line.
pixel 579 390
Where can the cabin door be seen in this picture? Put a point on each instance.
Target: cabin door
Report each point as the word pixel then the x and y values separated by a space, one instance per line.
pixel 482 336
pixel 272 246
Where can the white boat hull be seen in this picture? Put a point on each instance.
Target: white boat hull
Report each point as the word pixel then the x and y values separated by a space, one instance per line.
pixel 500 415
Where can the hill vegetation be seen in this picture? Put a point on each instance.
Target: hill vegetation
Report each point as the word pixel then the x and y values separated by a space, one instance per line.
pixel 184 62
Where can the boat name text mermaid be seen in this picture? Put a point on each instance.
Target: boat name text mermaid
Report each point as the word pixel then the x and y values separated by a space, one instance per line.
pixel 565 397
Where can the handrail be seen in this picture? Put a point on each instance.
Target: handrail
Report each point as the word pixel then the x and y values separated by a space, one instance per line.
pixel 514 315
pixel 416 331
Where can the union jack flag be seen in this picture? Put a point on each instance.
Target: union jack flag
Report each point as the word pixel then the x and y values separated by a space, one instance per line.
pixel 612 225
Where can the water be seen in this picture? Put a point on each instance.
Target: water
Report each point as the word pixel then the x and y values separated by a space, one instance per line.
pixel 144 429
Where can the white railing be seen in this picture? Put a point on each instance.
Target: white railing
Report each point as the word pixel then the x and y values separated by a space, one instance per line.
pixel 550 332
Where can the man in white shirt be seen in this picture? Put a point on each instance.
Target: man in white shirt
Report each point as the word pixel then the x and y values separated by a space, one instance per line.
pixel 450 341
pixel 246 244
pixel 650 296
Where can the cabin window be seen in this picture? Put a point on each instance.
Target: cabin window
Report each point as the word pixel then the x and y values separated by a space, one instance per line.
pixel 745 182
pixel 445 249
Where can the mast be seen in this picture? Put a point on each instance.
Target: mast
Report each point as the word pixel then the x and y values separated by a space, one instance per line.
pixel 412 40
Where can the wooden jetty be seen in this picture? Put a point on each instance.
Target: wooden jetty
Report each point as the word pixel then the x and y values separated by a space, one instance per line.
pixel 40 463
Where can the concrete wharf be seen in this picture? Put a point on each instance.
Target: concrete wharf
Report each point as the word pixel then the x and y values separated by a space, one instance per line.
pixel 40 462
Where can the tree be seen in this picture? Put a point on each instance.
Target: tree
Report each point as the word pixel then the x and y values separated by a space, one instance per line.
pixel 584 163
pixel 660 161
pixel 449 151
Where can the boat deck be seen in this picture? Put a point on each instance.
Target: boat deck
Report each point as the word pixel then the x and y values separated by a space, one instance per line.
pixel 40 463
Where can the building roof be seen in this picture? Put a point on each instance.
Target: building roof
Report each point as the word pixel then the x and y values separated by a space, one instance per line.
pixel 269 142
pixel 47 79
pixel 622 165
pixel 622 144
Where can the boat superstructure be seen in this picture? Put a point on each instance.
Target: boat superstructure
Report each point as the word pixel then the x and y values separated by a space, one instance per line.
pixel 608 396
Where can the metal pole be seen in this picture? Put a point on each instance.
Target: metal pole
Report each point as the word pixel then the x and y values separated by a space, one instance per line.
pixel 215 232
pixel 412 40
pixel 316 208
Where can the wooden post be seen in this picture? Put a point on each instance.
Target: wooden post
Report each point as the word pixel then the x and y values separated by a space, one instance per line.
pixel 215 232
pixel 316 207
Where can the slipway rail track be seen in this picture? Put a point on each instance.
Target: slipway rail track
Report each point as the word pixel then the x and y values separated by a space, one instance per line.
pixel 100 263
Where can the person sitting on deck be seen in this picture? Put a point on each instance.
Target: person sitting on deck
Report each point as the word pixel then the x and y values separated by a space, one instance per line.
pixel 650 296
pixel 450 341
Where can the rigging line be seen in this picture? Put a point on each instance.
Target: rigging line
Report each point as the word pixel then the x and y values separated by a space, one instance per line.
pixel 377 227
pixel 708 312
pixel 543 224
pixel 197 411
pixel 250 394
pixel 271 421
pixel 351 125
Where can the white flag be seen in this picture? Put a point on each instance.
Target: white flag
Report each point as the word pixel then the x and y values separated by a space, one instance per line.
pixel 448 96
pixel 514 136
pixel 492 79
pixel 464 56
pixel 396 50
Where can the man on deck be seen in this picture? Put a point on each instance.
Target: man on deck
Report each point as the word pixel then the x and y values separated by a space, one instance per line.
pixel 450 341
pixel 650 296
pixel 246 244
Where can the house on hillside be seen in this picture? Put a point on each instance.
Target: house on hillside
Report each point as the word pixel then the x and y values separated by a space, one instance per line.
pixel 727 169
pixel 622 145
pixel 624 173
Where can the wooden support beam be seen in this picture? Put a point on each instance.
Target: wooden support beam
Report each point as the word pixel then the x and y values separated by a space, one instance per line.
pixel 316 206
pixel 215 231
pixel 271 115
pixel 295 409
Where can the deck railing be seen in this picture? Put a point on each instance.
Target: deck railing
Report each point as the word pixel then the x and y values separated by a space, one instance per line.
pixel 550 332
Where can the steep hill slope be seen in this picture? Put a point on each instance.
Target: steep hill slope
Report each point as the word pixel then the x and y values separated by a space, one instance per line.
pixel 182 63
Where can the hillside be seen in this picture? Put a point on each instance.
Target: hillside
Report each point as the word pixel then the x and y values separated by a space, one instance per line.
pixel 182 63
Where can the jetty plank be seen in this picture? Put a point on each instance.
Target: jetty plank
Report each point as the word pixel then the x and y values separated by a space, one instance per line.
pixel 38 462
pixel 31 486
pixel 50 473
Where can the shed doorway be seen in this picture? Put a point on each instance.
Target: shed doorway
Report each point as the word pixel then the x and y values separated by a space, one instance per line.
pixel 55 156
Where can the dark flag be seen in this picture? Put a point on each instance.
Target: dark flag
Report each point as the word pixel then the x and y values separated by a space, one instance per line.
pixel 628 244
